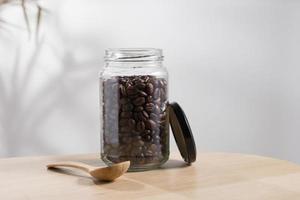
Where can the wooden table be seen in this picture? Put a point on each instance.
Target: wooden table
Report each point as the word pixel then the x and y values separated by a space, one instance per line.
pixel 213 176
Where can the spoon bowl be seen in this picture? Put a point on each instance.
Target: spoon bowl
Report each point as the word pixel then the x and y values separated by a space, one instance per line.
pixel 109 173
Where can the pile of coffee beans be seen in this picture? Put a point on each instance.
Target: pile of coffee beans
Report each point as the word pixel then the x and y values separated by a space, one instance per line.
pixel 135 121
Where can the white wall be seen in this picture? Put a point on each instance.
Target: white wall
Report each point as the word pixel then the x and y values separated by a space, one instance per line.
pixel 234 68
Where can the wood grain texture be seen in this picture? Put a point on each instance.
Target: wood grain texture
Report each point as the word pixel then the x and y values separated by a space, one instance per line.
pixel 214 176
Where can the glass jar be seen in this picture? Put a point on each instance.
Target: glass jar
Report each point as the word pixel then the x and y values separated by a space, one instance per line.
pixel 133 102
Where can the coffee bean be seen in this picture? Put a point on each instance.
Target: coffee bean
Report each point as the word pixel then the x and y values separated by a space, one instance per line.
pixel 157 101
pixel 125 140
pixel 126 114
pixel 136 151
pixel 145 78
pixel 156 139
pixel 140 126
pixel 133 97
pixel 124 101
pixel 138 143
pixel 153 147
pixel 153 116
pixel 149 99
pixel 143 94
pixel 136 116
pixel 162 94
pixel 161 83
pixel 149 107
pixel 150 124
pixel 127 107
pixel 156 93
pixel 149 88
pixel 131 123
pixel 122 90
pixel 139 108
pixel 128 84
pixel 123 122
pixel 149 153
pixel 145 114
pixel 140 116
pixel 147 138
pixel 139 101
pixel 156 109
pixel 125 129
pixel 132 90
pixel 136 138
pixel 140 85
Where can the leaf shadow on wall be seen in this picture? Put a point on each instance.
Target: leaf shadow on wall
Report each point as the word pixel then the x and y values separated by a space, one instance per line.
pixel 21 117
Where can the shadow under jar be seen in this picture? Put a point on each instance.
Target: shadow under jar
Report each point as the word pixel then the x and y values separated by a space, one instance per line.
pixel 133 102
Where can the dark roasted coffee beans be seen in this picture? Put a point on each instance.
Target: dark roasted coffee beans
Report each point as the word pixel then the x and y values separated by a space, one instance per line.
pixel 135 125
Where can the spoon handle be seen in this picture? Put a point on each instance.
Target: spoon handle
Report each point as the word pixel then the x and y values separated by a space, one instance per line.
pixel 72 164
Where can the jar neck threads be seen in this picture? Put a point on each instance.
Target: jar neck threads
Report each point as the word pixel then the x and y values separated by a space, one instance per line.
pixel 134 55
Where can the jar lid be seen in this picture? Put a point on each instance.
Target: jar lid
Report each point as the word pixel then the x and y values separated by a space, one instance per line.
pixel 182 133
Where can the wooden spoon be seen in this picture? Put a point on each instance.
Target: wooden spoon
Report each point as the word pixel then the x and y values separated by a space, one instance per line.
pixel 100 173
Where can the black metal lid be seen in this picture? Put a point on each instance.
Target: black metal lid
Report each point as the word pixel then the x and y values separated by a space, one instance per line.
pixel 182 133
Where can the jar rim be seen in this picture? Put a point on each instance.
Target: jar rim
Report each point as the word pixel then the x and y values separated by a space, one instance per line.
pixel 133 55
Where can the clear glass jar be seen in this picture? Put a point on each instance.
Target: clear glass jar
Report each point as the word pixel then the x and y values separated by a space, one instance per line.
pixel 133 102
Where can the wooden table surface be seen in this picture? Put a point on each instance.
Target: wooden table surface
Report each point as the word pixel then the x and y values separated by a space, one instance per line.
pixel 213 176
